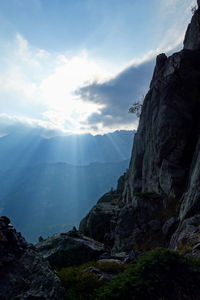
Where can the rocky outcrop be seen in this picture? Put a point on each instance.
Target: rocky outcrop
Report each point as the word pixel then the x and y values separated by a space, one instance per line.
pixel 192 37
pixel 24 274
pixel 70 248
pixel 165 161
pixel 100 221
pixel 165 158
pixel 168 130
pixel 97 224
pixel 145 223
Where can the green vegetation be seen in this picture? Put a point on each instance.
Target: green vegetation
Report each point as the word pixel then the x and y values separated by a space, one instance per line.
pixel 115 201
pixel 160 274
pixel 81 284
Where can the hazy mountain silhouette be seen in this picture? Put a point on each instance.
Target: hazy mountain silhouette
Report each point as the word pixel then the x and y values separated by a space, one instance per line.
pixel 43 194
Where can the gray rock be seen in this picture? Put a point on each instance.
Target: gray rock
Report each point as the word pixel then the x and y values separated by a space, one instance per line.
pixel 62 250
pixel 187 234
pixel 155 225
pixel 97 224
pixel 110 260
pixel 139 225
pixel 190 203
pixel 100 274
pixel 163 147
pixel 169 226
pixel 192 37
pixel 165 160
pixel 24 274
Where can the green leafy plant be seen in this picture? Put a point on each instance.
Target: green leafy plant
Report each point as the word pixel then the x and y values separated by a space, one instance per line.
pixel 81 284
pixel 159 274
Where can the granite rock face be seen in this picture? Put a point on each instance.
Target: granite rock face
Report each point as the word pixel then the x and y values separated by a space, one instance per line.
pixel 166 152
pixel 97 224
pixel 24 274
pixel 168 130
pixel 145 223
pixel 192 37
pixel 100 221
pixel 70 248
pixel 165 158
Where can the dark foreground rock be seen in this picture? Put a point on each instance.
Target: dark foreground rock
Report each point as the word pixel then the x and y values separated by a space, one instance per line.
pixel 24 274
pixel 70 248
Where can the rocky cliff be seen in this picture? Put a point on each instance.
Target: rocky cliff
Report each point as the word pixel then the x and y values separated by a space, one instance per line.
pixel 157 201
pixel 160 201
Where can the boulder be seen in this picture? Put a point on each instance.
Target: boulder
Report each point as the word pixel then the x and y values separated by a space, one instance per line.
pixel 187 234
pixel 67 249
pixel 24 274
pixel 97 224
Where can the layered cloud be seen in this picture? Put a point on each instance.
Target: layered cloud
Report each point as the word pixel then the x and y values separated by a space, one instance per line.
pixel 61 92
pixel 117 95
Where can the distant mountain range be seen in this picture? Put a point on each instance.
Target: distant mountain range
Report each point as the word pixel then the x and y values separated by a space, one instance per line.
pixel 22 150
pixel 42 194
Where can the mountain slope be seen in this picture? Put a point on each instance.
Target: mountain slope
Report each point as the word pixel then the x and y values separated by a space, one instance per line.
pixel 50 198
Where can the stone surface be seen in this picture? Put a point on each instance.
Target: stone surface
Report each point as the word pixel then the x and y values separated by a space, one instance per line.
pixel 139 224
pixel 24 274
pixel 165 159
pixel 67 249
pixel 97 224
pixel 190 203
pixel 166 136
pixel 192 37
pixel 187 234
pixel 169 226
pixel 100 274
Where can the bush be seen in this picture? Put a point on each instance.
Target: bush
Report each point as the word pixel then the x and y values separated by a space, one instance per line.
pixel 159 274
pixel 82 285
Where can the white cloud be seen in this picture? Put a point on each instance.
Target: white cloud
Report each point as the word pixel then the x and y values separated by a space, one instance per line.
pixel 46 82
pixel 41 85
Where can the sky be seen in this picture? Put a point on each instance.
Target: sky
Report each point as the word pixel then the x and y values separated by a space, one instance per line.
pixel 76 66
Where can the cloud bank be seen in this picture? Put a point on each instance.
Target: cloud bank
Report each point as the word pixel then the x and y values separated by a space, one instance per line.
pixel 65 93
pixel 117 95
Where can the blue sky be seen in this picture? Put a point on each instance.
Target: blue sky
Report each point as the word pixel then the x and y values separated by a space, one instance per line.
pixel 77 65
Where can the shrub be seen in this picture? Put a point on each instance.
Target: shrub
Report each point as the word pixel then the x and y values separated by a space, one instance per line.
pixel 111 266
pixel 160 274
pixel 82 285
pixel 79 285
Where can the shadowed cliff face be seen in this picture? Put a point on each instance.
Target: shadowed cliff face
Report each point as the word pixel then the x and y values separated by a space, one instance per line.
pixel 162 186
pixel 168 131
pixel 166 153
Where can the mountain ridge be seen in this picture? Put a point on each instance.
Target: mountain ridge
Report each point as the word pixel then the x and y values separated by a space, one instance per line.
pixel 156 202
pixel 75 149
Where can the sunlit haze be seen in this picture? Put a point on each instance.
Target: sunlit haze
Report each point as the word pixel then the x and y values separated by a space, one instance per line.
pixel 77 66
